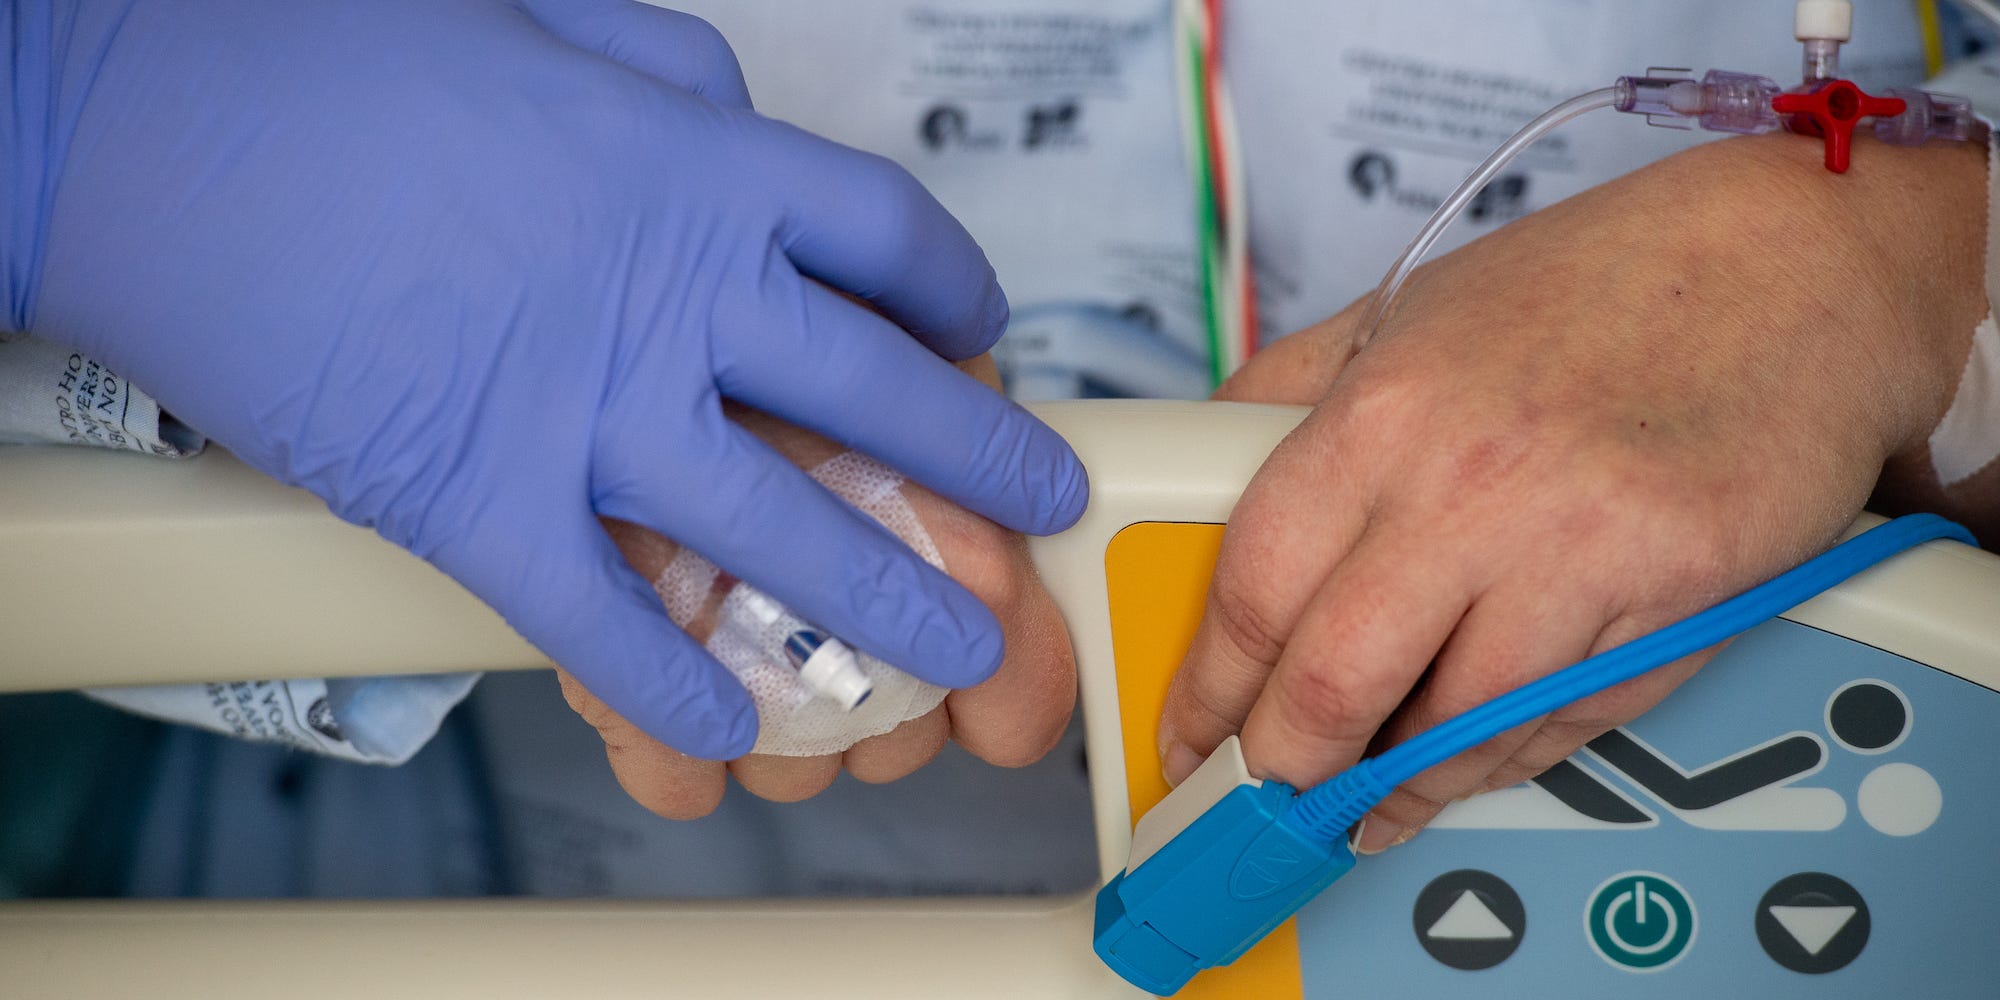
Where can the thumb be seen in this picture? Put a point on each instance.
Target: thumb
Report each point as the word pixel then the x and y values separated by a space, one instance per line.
pixel 1296 370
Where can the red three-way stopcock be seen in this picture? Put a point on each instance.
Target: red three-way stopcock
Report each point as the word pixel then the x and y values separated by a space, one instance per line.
pixel 1831 110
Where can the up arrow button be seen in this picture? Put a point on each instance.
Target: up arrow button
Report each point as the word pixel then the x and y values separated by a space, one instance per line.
pixel 1469 919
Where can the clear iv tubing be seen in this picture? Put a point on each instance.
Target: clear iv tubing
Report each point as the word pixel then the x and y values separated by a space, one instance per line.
pixel 1399 272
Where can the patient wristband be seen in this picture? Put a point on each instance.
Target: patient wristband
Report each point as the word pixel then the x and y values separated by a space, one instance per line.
pixel 50 394
pixel 367 720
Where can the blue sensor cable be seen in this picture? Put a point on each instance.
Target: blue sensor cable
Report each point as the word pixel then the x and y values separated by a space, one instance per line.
pixel 1257 854
pixel 1329 808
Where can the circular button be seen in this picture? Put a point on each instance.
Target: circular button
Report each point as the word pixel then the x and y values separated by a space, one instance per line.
pixel 1868 716
pixel 1812 922
pixel 1640 921
pixel 1469 919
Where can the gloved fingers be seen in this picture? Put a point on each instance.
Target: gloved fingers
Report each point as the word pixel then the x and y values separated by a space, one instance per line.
pixel 563 585
pixel 670 783
pixel 675 48
pixel 756 515
pixel 863 225
pixel 1300 516
pixel 1357 651
pixel 829 364
pixel 785 779
pixel 900 751
pixel 1505 640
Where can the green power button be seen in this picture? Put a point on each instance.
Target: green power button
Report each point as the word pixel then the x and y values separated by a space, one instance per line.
pixel 1640 921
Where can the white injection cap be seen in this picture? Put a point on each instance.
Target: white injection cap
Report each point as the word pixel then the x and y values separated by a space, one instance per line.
pixel 1823 20
pixel 833 672
pixel 760 606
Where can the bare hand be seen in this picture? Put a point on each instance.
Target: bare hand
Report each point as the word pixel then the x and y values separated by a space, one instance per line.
pixel 1581 428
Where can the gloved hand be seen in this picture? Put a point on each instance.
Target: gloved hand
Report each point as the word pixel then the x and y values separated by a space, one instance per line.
pixel 477 271
pixel 1011 720
pixel 1594 422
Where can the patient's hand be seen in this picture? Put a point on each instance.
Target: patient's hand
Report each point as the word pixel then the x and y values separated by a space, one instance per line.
pixel 1011 720
pixel 1580 428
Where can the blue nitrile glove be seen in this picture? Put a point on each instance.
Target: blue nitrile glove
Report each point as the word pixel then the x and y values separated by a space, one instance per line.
pixel 475 271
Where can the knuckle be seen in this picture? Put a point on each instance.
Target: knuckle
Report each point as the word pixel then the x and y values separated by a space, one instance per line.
pixel 1002 447
pixel 1515 770
pixel 1429 709
pixel 1558 738
pixel 1384 396
pixel 1700 550
pixel 711 50
pixel 1018 747
pixel 1026 475
pixel 762 489
pixel 1205 708
pixel 590 708
pixel 884 589
pixel 1409 808
pixel 1319 699
pixel 647 551
pixel 990 562
pixel 891 192
pixel 1582 722
pixel 1245 626
pixel 1590 718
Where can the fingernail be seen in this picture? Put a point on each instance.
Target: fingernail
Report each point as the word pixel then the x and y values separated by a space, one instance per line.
pixel 1378 835
pixel 1181 762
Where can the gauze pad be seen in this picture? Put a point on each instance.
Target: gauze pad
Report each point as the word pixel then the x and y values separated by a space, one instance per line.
pixel 1968 438
pixel 794 718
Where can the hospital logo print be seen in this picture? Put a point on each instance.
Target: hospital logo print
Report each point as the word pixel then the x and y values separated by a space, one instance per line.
pixel 948 126
pixel 1373 175
pixel 1053 126
pixel 1640 921
pixel 320 717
